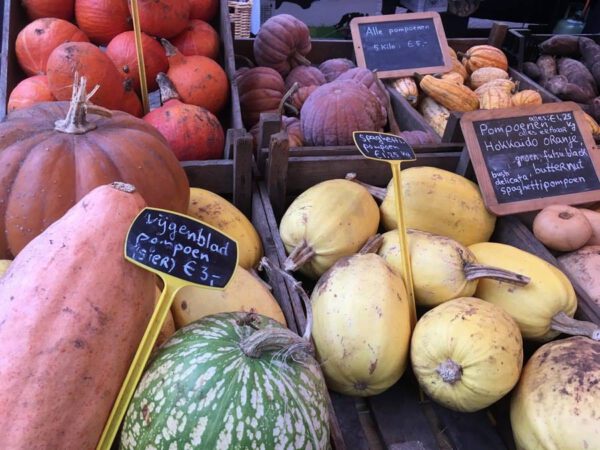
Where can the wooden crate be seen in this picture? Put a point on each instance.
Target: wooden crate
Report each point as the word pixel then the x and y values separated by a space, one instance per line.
pixel 231 175
pixel 401 418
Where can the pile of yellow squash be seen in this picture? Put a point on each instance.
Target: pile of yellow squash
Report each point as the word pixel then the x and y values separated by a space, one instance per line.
pixel 467 351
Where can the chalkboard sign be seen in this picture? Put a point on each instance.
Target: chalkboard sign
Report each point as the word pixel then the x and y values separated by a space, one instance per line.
pixel 399 45
pixel 185 248
pixel 383 146
pixel 529 157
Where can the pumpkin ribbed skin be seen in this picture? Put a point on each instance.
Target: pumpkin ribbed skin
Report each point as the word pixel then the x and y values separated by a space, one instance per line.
pixel 29 92
pixel 435 115
pixel 407 88
pixel 335 218
pixel 102 20
pixel 485 74
pixel 244 293
pixel 36 41
pixel 494 98
pixel 532 306
pixel 333 111
pixel 333 68
pixel 261 89
pixel 281 43
pixel 294 131
pixel 214 210
pixel 506 85
pixel 69 348
pixel 361 325
pixel 455 97
pixel 555 404
pixel 304 76
pixel 301 95
pixel 527 97
pixel 90 62
pixel 220 398
pixel 371 82
pixel 431 195
pixel 44 171
pixel 484 56
pixel 466 353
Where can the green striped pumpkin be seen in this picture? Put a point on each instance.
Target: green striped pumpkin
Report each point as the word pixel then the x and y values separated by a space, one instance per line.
pixel 202 391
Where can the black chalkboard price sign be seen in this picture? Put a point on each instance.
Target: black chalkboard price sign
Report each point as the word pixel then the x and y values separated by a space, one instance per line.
pixel 529 157
pixel 172 244
pixel 383 146
pixel 399 45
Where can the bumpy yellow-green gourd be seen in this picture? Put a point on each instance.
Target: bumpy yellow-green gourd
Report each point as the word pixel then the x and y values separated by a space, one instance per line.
pixel 361 325
pixel 245 292
pixel 326 222
pixel 442 268
pixel 466 353
pixel 556 405
pixel 440 202
pixel 219 213
pixel 544 307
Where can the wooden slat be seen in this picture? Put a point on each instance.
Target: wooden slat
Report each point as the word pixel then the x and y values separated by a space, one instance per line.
pixel 350 425
pixel 235 112
pixel 469 431
pixel 242 171
pixel 277 172
pixel 214 176
pixel 400 417
pixel 408 118
pixel 14 20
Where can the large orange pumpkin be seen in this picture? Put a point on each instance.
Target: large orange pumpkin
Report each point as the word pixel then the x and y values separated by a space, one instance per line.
pixel 102 20
pixel 73 311
pixel 46 167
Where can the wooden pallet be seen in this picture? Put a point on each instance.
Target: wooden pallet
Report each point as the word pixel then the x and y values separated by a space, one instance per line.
pixel 231 176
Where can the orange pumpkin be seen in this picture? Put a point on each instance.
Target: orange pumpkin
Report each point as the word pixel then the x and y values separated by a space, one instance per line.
pixel 481 56
pixel 199 38
pixel 191 131
pixel 89 61
pixel 61 9
pixel 46 167
pixel 204 9
pixel 121 50
pixel 102 20
pixel 36 41
pixel 67 341
pixel 30 91
pixel 199 80
pixel 163 18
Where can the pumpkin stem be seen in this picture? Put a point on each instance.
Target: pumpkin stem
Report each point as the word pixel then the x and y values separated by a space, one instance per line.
pixel 418 77
pixel 372 245
pixel 170 49
pixel 300 59
pixel 167 88
pixel 567 325
pixel 477 271
pixel 462 55
pixel 449 371
pixel 377 192
pixel 301 254
pixel 245 59
pixel 124 187
pixel 276 340
pixel 264 262
pixel 76 121
pixel 286 97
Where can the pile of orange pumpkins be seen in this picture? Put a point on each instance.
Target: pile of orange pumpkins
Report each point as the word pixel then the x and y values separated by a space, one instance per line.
pixel 180 49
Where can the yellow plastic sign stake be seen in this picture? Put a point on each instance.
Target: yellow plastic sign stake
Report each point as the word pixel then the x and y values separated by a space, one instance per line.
pixel 183 251
pixel 139 50
pixel 393 150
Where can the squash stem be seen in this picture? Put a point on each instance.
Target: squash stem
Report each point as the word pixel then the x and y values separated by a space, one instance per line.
pixel 264 262
pixel 170 49
pixel 286 97
pixel 300 59
pixel 477 271
pixel 76 121
pixel 299 256
pixel 123 187
pixel 372 245
pixel 276 340
pixel 168 91
pixel 377 192
pixel 449 371
pixel 567 325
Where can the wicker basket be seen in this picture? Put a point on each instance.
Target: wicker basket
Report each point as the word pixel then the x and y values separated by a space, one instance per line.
pixel 240 14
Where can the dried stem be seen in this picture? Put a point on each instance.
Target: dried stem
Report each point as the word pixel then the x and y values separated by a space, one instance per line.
pixel 372 245
pixel 301 254
pixel 377 192
pixel 565 324
pixel 477 271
